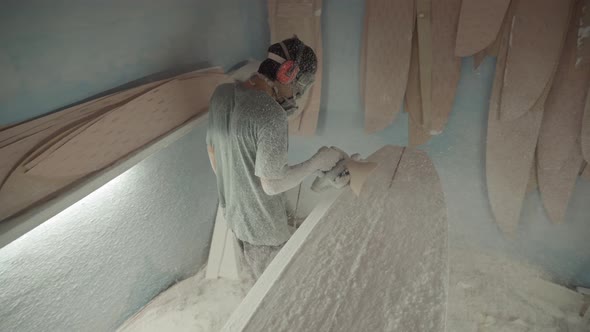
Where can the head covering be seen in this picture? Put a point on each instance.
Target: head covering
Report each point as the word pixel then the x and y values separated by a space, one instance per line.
pixel 299 52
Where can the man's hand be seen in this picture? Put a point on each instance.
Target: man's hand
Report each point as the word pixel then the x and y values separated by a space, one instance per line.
pixel 326 158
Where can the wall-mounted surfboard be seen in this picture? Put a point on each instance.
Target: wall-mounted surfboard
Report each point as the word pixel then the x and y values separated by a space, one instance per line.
pixel 479 24
pixel 583 51
pixel 510 149
pixel 559 151
pixel 585 135
pixel 446 67
pixel 55 120
pixel 301 18
pixel 39 166
pixel 388 40
pixel 585 173
pixel 417 133
pixel 536 38
pixel 130 127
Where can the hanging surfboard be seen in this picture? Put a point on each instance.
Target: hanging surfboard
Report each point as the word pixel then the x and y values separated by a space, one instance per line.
pixel 585 134
pixel 535 42
pixel 32 175
pixel 302 18
pixel 417 133
pixel 446 67
pixel 583 50
pixel 510 149
pixel 479 24
pixel 559 151
pixel 388 40
pixel 130 127
pixel 585 173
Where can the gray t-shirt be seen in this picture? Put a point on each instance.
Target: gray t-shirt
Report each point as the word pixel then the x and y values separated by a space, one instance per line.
pixel 249 132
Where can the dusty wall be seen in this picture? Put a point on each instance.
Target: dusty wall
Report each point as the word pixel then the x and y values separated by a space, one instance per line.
pixel 458 154
pixel 98 262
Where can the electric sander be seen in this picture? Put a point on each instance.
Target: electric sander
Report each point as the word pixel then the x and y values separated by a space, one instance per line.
pixel 351 170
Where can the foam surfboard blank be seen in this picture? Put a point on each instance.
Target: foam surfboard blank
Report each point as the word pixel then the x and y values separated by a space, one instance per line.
pixel 559 151
pixel 479 24
pixel 536 39
pixel 354 267
pixel 130 127
pixel 301 18
pixel 388 42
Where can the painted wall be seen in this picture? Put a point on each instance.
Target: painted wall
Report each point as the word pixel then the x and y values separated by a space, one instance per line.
pixel 99 261
pixel 55 53
pixel 458 154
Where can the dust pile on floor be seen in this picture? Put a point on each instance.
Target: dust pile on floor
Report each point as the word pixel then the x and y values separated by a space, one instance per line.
pixel 195 304
pixel 492 294
pixel 486 294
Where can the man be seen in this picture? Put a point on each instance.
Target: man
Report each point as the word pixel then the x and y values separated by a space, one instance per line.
pixel 247 140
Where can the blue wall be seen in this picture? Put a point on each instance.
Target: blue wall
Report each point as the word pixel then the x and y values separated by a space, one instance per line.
pixel 458 153
pixel 54 53
pixel 96 263
pixel 100 260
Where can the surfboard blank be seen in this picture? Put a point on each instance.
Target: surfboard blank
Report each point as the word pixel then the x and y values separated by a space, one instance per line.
pixel 130 127
pixel 301 18
pixel 417 133
pixel 446 67
pixel 585 135
pixel 38 166
pixel 479 24
pixel 536 37
pixel 388 40
pixel 583 52
pixel 559 150
pixel 509 150
pixel 356 269
pixel 585 173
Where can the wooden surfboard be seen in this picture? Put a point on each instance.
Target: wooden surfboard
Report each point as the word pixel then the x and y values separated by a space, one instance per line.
pixel 388 40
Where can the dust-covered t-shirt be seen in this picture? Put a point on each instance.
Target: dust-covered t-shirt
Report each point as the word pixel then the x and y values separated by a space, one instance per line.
pixel 249 132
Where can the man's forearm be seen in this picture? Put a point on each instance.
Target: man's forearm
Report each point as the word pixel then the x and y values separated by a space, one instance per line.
pixel 293 176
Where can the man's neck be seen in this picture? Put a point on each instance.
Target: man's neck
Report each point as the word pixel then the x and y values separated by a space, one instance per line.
pixel 258 83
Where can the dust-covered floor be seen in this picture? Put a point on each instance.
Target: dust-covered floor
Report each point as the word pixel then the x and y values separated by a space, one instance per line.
pixel 486 294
